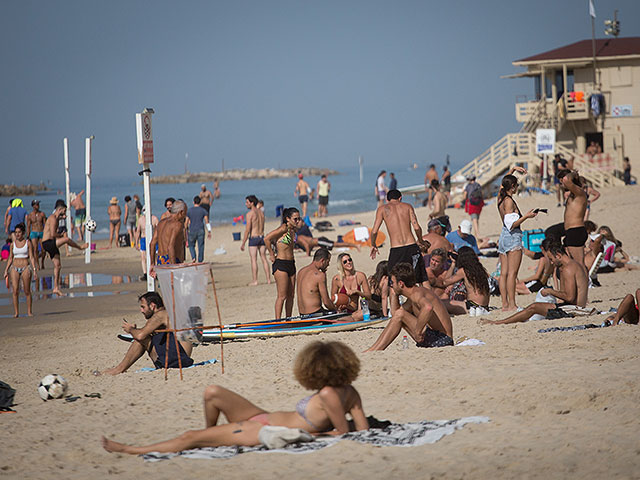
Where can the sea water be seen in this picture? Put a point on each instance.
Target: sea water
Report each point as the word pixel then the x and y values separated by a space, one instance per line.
pixel 347 195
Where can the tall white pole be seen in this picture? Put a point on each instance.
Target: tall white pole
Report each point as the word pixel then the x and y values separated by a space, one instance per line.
pixel 65 144
pixel 87 171
pixel 145 157
pixel 360 162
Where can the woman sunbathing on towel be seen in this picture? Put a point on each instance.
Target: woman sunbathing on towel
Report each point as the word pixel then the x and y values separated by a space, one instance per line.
pixel 327 367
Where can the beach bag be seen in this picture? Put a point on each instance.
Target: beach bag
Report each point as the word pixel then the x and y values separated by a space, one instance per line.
pixel 6 395
pixel 475 197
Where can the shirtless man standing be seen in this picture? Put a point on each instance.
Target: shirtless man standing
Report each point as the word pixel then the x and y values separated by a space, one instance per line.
pixel 574 285
pixel 431 175
pixel 81 214
pixel 399 217
pixel 302 192
pixel 254 232
pixel 52 240
pixel 206 198
pixel 312 285
pixel 435 236
pixel 155 344
pixel 423 315
pixel 35 227
pixel 439 201
pixel 169 236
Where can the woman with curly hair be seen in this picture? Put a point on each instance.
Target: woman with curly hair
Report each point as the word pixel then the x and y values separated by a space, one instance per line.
pixel 284 265
pixel 379 287
pixel 350 282
pixel 327 367
pixel 476 281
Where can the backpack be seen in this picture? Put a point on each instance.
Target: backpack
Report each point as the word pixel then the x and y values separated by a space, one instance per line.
pixel 475 197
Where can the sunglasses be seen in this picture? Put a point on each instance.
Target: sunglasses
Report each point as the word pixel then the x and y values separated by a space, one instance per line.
pixel 347 260
pixel 296 219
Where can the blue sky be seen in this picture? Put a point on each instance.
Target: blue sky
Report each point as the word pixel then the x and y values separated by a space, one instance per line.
pixel 270 83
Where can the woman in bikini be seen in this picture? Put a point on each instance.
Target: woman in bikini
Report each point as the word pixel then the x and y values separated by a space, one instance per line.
pixel 379 287
pixel 284 266
pixel 329 368
pixel 114 212
pixel 476 282
pixel 510 242
pixel 21 265
pixel 350 282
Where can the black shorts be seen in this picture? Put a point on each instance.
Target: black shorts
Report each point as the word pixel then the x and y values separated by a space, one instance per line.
pixel 575 237
pixel 206 206
pixel 256 241
pixel 323 200
pixel 409 254
pixel 287 266
pixel 50 247
pixel 325 242
pixel 303 198
pixel 434 338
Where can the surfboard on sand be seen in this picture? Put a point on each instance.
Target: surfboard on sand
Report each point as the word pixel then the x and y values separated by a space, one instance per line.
pixel 362 235
pixel 318 325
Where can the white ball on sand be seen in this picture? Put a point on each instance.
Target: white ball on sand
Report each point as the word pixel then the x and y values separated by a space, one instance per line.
pixel 91 225
pixel 52 386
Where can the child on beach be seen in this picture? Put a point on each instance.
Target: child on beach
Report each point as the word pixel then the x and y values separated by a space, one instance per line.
pixel 329 368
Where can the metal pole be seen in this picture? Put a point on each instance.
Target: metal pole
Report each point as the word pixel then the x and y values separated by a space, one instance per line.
pixel 65 144
pixel 87 171
pixel 593 48
pixel 151 284
pixel 361 162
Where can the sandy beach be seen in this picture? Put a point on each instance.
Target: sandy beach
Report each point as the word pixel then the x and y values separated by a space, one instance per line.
pixel 561 404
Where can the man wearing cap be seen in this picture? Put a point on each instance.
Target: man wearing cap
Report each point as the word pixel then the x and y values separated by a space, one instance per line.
pixel 302 192
pixel 206 198
pixel 52 239
pixel 463 238
pixel 17 214
pixel 435 236
pixel 35 226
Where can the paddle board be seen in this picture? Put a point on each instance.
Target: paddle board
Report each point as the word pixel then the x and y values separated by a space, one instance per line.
pixel 280 330
pixel 352 237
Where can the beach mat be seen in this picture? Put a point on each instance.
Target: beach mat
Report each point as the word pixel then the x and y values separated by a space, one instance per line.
pixel 394 435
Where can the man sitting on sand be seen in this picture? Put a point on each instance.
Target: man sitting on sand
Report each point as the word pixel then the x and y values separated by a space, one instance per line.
pixel 574 286
pixel 169 236
pixel 52 240
pixel 423 315
pixel 435 236
pixel 312 285
pixel 155 344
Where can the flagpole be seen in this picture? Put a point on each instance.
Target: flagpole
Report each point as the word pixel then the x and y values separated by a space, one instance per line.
pixel 592 13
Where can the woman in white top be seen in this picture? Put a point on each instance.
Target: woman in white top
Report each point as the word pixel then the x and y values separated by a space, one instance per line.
pixel 21 265
pixel 510 242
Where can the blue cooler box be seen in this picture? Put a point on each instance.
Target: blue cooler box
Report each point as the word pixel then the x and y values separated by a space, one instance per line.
pixel 531 239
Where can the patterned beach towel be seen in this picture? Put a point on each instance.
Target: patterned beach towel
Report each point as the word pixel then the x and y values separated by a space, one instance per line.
pixel 394 435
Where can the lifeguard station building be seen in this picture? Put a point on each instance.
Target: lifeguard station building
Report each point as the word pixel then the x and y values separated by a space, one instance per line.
pixel 590 109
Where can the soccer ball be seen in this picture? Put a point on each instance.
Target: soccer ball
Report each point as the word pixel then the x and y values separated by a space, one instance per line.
pixel 91 225
pixel 52 386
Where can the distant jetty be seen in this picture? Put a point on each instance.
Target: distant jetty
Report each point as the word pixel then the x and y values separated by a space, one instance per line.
pixel 242 174
pixel 17 190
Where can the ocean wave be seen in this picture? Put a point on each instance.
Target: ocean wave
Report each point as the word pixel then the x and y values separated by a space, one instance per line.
pixel 336 203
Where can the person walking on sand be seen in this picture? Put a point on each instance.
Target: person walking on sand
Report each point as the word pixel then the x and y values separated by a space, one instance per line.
pixel 169 237
pixel 130 219
pixel 381 188
pixel 423 316
pixel 35 226
pixel 81 213
pixel 197 220
pixel 432 174
pixel 254 233
pixel 284 266
pixel 142 235
pixel 446 182
pixel 52 240
pixel 21 265
pixel 400 217
pixel 302 192
pixel 323 189
pixel 329 368
pixel 114 212
pixel 510 242
pixel 313 295
pixel 206 198
pixel 439 201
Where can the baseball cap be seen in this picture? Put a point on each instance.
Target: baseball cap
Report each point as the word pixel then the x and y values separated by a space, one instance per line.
pixel 434 222
pixel 465 226
pixel 35 202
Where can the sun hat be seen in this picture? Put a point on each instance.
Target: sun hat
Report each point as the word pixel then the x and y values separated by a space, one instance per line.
pixel 465 226
pixel 114 200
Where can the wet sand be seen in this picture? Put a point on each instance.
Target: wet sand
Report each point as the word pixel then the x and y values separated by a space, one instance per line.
pixel 563 404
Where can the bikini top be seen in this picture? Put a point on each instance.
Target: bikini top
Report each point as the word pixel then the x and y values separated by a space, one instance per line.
pixel 21 252
pixel 286 238
pixel 301 408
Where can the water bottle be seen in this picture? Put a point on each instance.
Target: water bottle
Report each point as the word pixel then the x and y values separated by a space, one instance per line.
pixel 365 309
pixel 405 343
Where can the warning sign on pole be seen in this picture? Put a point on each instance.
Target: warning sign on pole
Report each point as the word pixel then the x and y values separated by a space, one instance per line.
pixel 545 140
pixel 145 137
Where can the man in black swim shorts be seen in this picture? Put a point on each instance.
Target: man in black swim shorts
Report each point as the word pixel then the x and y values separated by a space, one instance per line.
pixel 155 344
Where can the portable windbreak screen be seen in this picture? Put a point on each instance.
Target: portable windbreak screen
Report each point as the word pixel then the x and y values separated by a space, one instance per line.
pixel 185 297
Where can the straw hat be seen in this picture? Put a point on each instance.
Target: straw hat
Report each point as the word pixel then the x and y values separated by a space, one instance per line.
pixel 114 200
